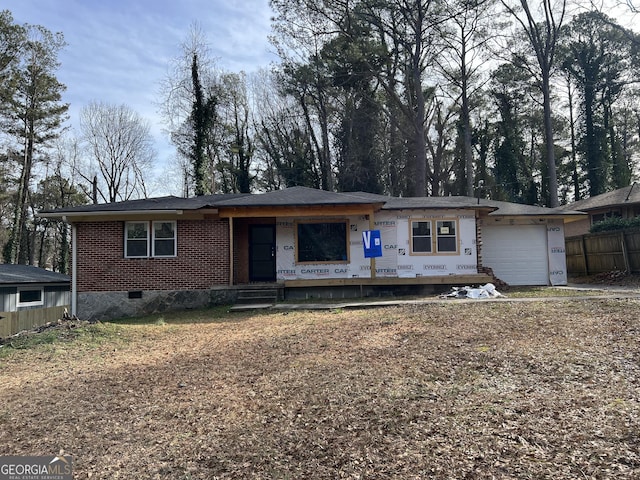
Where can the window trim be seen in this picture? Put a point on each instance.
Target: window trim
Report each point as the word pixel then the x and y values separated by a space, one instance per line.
pixel 456 236
pixel 344 221
pixel 150 239
pixel 174 238
pixel 412 236
pixel 434 236
pixel 126 239
pixel 37 303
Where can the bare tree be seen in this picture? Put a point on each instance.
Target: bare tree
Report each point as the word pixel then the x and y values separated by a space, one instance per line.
pixel 285 154
pixel 465 37
pixel 405 34
pixel 118 152
pixel 543 34
pixel 188 98
pixel 302 27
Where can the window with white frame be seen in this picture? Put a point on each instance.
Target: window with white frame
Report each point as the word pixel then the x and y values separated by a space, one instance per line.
pixel 30 296
pixel 430 237
pixel 136 239
pixel 164 239
pixel 150 239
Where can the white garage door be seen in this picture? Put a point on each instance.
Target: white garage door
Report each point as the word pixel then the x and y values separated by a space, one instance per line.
pixel 517 253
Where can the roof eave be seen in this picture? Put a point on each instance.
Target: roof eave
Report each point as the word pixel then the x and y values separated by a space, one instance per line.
pixel 76 216
pixel 486 208
pixel 559 215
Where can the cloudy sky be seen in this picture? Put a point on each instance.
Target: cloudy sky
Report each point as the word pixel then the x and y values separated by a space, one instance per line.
pixel 119 51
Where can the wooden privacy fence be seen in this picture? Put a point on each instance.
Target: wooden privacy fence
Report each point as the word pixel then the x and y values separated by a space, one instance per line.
pixel 603 252
pixel 14 322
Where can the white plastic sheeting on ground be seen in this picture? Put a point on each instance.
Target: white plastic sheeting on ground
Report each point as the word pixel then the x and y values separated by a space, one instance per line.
pixel 484 291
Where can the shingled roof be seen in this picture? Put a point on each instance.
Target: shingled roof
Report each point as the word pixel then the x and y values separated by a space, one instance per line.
pixel 496 207
pixel 19 274
pixel 152 204
pixel 304 196
pixel 623 196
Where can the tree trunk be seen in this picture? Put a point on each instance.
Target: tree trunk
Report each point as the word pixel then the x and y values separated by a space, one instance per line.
pixel 574 161
pixel 20 214
pixel 468 152
pixel 420 179
pixel 548 136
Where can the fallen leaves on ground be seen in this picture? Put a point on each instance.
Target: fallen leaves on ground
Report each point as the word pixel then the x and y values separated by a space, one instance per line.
pixel 448 390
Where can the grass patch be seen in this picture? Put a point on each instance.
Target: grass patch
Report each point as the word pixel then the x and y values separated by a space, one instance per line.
pixel 206 315
pixel 541 292
pixel 437 390
pixel 88 336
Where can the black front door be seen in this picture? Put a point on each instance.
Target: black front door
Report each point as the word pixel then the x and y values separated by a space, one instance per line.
pixel 262 253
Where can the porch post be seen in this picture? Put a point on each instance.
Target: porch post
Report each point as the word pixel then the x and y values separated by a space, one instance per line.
pixel 372 260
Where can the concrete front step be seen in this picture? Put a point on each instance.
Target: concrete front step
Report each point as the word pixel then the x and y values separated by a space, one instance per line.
pixel 272 292
pixel 261 296
pixel 251 300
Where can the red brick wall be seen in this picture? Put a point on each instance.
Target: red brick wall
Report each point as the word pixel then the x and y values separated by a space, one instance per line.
pixel 202 261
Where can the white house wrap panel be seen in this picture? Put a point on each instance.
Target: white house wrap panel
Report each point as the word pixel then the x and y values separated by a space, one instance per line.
pixel 556 251
pixel 287 268
pixel 387 265
pixel 398 259
pixel 463 261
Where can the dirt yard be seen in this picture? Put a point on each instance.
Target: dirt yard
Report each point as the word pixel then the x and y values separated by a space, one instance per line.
pixel 535 390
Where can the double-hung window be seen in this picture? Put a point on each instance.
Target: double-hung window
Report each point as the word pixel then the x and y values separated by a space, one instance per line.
pixel 446 236
pixel 421 236
pixel 430 237
pixel 164 239
pixel 136 239
pixel 150 239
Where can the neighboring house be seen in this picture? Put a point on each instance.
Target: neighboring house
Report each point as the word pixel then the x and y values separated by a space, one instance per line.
pixel 621 203
pixel 139 256
pixel 30 296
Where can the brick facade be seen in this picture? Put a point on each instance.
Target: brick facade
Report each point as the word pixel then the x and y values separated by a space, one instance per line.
pixel 202 261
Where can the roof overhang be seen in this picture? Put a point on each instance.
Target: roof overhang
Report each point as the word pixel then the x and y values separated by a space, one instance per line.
pixel 330 210
pixel 566 218
pixel 109 215
pixel 35 283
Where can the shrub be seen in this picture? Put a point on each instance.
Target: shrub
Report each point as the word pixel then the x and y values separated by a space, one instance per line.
pixel 615 224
